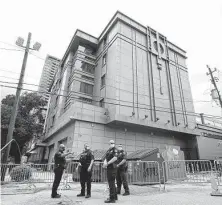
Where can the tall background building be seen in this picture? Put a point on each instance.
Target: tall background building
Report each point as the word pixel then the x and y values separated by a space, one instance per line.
pixel 50 67
pixel 130 84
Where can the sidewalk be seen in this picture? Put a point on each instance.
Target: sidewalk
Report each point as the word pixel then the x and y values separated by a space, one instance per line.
pixel 174 195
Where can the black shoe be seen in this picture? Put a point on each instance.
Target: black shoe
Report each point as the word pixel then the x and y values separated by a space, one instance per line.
pixel 80 195
pixel 110 201
pixel 56 196
pixel 126 194
pixel 88 196
pixel 118 192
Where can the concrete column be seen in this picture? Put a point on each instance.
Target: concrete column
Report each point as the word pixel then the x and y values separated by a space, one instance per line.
pixel 202 118
pixel 64 86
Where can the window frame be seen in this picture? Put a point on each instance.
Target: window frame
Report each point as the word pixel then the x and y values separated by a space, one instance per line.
pixel 84 88
pixel 104 60
pixel 102 103
pixel 103 81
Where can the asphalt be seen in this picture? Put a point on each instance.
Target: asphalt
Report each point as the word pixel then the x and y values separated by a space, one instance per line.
pixel 179 194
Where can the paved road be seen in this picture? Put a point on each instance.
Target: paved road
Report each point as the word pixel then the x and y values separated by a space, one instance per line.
pixel 174 195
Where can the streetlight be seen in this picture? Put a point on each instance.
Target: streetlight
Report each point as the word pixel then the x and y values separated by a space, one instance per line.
pixel 37 46
pixel 19 41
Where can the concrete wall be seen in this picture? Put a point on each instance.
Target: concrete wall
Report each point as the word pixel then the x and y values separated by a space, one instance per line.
pixel 65 133
pixel 128 81
pixel 98 136
pixel 208 148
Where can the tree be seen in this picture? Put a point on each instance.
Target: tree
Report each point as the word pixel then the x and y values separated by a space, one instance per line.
pixel 29 122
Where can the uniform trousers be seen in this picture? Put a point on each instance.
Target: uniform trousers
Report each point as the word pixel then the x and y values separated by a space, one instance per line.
pixel 111 176
pixel 85 178
pixel 121 179
pixel 58 176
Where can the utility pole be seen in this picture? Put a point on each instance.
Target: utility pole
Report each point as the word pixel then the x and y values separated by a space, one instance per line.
pixel 15 105
pixel 214 83
pixel 35 47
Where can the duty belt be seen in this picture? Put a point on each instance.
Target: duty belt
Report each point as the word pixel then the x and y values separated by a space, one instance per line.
pixel 59 165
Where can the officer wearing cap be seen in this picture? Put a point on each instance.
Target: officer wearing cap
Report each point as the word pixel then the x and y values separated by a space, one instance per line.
pixel 85 162
pixel 121 171
pixel 110 164
pixel 60 163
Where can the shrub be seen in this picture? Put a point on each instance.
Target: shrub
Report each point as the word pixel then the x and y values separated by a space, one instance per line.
pixel 21 173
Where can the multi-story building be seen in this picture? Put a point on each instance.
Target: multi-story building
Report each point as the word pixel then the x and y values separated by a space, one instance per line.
pixel 129 84
pixel 50 66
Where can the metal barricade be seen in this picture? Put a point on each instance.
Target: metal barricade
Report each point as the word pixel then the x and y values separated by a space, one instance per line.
pixel 14 174
pixel 143 172
pixel 6 170
pixel 35 173
pixel 218 170
pixel 138 173
pixel 98 173
pixel 187 171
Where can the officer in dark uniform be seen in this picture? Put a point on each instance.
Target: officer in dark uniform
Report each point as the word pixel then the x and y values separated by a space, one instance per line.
pixel 110 164
pixel 121 171
pixel 60 163
pixel 85 163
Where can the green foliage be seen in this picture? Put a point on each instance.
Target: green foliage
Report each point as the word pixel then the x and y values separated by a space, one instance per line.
pixel 21 173
pixel 29 122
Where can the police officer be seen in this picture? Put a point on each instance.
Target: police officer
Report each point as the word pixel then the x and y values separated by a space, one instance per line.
pixel 60 163
pixel 110 164
pixel 121 171
pixel 86 162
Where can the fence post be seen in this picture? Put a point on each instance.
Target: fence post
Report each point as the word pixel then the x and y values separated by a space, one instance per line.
pixel 164 177
pixel 158 166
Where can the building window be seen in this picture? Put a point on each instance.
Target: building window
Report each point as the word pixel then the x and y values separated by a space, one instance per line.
pixel 105 41
pixel 85 100
pixel 86 88
pixel 87 78
pixel 104 60
pixel 101 103
pixel 88 51
pixel 86 67
pixel 103 80
pixel 53 120
pixel 56 101
pixel 63 141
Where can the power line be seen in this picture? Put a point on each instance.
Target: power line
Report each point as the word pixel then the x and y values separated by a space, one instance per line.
pixel 8 44
pixel 118 81
pixel 36 56
pixel 187 113
pixel 107 98
pixel 98 96
pixel 143 87
pixel 10 49
pixel 10 71
pixel 9 77
pixel 145 94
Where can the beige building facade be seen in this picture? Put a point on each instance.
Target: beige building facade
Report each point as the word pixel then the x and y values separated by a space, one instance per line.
pixel 130 84
pixel 50 67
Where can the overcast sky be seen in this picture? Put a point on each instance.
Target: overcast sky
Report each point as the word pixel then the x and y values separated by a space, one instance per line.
pixel 194 25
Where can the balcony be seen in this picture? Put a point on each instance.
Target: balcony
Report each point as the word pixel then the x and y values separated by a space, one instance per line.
pixel 84 56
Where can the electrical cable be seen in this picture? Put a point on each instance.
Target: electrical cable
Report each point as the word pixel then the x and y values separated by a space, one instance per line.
pixel 50 93
pixel 36 56
pixel 106 98
pixel 10 49
pixel 120 89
